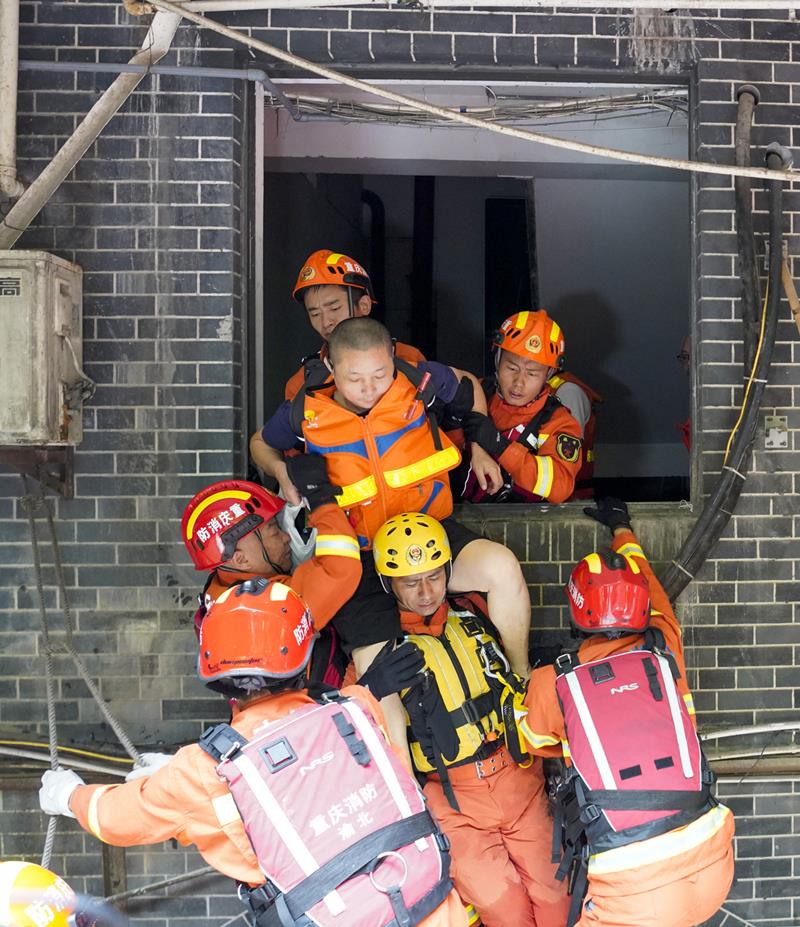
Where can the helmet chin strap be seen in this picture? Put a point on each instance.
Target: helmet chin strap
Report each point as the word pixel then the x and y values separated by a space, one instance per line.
pixel 275 568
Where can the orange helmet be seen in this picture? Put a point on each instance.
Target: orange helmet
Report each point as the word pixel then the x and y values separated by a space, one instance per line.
pixel 220 515
pixel 327 268
pixel 533 335
pixel 608 594
pixel 255 632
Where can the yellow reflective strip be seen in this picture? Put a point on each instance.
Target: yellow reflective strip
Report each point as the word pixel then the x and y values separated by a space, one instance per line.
pixel 333 258
pixel 657 849
pixel 354 493
pixel 422 469
pixel 689 703
pixel 279 592
pixel 542 437
pixel 93 819
pixel 336 545
pixel 555 332
pixel 544 477
pixel 225 809
pixel 631 550
pixel 565 749
pixel 589 456
pixel 228 494
pixel 522 319
pixel 632 564
pixel 539 740
pixel 472 915
pixel 556 381
pixel 594 563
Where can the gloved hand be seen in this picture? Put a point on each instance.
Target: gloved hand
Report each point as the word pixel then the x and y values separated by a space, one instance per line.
pixel 394 670
pixel 57 786
pixel 431 723
pixel 481 429
pixel 453 412
pixel 611 512
pixel 148 764
pixel 310 475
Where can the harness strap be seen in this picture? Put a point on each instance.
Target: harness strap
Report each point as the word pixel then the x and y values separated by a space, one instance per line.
pixel 221 742
pixel 531 430
pixel 355 744
pixel 310 892
pixel 646 800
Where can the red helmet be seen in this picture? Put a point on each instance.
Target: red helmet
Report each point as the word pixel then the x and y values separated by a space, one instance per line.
pixel 534 336
pixel 608 592
pixel 259 629
pixel 220 515
pixel 328 268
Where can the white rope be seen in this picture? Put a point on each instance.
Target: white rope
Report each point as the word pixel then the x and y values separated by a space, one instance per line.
pixel 697 167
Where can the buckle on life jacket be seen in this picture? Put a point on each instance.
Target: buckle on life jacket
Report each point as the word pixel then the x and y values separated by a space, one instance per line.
pixel 221 742
pixel 564 663
pixel 590 813
pixel 470 711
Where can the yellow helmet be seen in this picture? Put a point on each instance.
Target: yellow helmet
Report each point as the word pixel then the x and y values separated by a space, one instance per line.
pixel 31 895
pixel 409 544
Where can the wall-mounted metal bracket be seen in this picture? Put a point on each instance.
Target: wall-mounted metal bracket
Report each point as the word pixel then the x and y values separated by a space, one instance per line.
pixel 52 465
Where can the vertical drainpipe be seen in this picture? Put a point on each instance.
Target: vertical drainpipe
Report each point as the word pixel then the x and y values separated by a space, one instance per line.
pixel 156 45
pixel 9 45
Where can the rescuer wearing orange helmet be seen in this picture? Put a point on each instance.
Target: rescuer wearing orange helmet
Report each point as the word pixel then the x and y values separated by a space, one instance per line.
pixel 464 734
pixel 333 287
pixel 232 530
pixel 255 646
pixel 377 430
pixel 658 862
pixel 540 419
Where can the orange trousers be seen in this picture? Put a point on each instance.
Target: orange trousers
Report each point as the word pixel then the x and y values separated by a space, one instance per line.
pixel 501 843
pixel 680 891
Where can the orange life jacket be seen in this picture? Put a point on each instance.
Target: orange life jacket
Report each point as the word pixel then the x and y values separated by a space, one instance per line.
pixel 583 481
pixel 388 461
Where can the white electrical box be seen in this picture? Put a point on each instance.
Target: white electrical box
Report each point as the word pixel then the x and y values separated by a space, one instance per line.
pixel 42 383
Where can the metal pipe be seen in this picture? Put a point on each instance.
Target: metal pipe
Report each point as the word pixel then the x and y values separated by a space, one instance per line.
pixel 748 97
pixel 253 74
pixel 751 729
pixel 9 43
pixel 156 45
pixel 451 115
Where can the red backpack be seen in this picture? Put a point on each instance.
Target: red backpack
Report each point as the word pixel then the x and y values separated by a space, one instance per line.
pixel 637 768
pixel 338 825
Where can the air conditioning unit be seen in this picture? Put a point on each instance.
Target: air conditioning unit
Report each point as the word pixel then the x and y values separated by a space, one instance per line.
pixel 42 383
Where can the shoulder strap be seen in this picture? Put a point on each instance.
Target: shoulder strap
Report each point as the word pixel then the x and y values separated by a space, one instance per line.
pixel 221 742
pixel 489 385
pixel 548 410
pixel 425 394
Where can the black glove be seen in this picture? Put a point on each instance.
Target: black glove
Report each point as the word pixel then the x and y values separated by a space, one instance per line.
pixel 611 512
pixel 431 724
pixel 459 406
pixel 481 430
pixel 310 475
pixel 393 670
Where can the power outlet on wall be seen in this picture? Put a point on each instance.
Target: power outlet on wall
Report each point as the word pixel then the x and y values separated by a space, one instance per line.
pixel 776 428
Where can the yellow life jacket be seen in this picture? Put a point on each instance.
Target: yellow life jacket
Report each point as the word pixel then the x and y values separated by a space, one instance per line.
pixel 476 686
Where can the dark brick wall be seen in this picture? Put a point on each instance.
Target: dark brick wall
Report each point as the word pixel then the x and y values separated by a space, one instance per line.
pixel 153 214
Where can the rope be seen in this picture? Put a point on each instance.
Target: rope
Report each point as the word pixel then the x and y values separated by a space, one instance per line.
pixel 31 504
pixel 697 167
pixel 115 726
pixel 165 883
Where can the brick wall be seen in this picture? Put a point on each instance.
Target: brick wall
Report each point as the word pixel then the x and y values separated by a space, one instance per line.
pixel 153 216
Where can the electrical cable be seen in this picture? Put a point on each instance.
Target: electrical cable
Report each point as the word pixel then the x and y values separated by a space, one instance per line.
pixel 62 749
